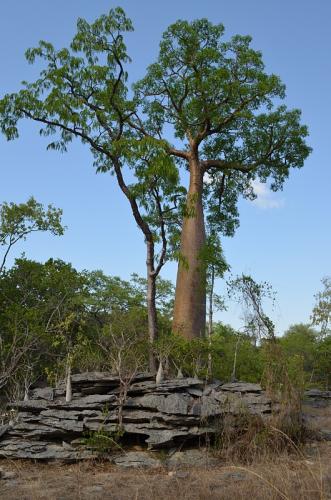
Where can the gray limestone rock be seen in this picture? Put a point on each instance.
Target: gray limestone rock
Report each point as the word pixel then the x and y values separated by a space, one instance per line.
pixel 316 393
pixel 31 405
pixel 174 403
pixel 137 459
pixel 170 413
pixel 241 387
pixel 93 401
pixel 166 386
pixel 42 450
pixel 42 393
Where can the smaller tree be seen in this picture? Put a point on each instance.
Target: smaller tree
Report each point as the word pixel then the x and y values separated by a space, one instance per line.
pixel 321 314
pixel 41 316
pixel 17 221
pixel 125 354
pixel 216 266
pixel 257 324
pixel 323 365
pixel 251 295
pixel 164 293
pixel 302 340
pixel 234 355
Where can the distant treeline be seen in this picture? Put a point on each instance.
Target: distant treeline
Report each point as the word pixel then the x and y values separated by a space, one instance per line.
pixel 52 315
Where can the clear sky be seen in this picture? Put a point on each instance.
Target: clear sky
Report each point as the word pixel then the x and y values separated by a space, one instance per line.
pixel 283 238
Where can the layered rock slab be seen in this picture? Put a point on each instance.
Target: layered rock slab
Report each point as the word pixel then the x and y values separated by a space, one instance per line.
pixel 162 415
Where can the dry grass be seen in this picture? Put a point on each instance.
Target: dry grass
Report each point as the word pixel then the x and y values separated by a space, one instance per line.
pixel 303 475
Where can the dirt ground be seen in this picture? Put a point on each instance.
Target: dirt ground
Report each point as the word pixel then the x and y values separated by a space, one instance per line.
pixel 294 477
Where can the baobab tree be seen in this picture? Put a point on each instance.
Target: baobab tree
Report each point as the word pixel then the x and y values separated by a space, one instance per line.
pixel 218 101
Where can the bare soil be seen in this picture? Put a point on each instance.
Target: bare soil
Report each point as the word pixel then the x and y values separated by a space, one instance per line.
pixel 294 477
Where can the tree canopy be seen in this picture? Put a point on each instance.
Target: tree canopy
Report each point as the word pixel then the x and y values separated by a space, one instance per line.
pixel 17 221
pixel 206 105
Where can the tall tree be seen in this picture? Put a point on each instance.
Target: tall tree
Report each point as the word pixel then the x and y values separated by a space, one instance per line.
pixel 221 104
pixel 82 93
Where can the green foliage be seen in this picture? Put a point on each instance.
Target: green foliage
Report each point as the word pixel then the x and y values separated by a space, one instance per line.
pixel 213 92
pixel 103 442
pixel 321 315
pixel 216 95
pixel 252 295
pixel 249 365
pixel 301 340
pixel 82 93
pixel 190 356
pixel 283 375
pixel 41 314
pixel 323 362
pixel 164 293
pixel 49 311
pixel 303 345
pixel 17 221
pixel 212 256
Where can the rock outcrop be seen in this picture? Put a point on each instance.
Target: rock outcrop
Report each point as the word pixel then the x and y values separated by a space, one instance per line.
pixel 160 415
pixel 317 398
pixel 317 412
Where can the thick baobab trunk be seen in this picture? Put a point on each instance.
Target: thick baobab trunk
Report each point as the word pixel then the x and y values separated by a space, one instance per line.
pixel 190 299
pixel 151 305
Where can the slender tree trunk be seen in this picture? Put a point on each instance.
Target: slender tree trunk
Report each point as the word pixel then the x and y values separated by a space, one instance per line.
pixel 211 295
pixel 190 299
pixel 68 382
pixel 151 305
pixel 210 319
pixel 151 272
pixel 234 369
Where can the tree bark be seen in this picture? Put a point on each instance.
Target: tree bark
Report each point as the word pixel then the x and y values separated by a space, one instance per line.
pixel 151 305
pixel 234 369
pixel 190 298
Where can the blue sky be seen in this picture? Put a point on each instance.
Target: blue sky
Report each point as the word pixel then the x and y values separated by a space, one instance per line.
pixel 283 238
